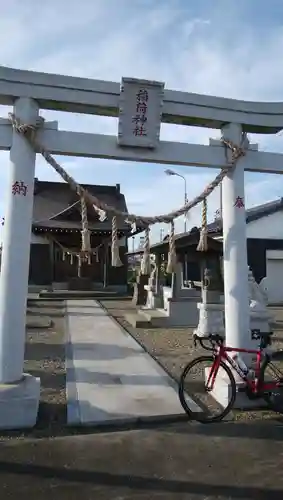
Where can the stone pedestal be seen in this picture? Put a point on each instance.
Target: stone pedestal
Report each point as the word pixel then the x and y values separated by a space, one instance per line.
pixel 19 403
pixel 179 302
pixel 211 319
pixel 222 392
pixel 140 294
pixel 182 312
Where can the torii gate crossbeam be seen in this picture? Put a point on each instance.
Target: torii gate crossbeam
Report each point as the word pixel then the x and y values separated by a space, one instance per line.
pixel 89 145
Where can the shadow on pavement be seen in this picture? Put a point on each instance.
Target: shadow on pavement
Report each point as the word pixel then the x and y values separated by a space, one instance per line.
pixel 270 431
pixel 139 483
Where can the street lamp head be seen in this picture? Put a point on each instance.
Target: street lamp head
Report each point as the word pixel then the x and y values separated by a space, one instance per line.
pixel 170 172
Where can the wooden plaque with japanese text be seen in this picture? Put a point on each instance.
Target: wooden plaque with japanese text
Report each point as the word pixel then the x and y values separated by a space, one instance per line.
pixel 140 112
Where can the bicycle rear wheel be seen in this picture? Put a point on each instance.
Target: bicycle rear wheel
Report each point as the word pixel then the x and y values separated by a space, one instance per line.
pixel 272 372
pixel 196 400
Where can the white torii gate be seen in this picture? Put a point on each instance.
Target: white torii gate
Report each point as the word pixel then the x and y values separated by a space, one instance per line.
pixel 30 91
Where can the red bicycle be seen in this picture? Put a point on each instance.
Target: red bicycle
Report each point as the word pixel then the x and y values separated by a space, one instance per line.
pixel 264 380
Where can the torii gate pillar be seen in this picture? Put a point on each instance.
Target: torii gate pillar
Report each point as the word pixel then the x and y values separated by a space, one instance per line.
pixel 236 288
pixel 19 393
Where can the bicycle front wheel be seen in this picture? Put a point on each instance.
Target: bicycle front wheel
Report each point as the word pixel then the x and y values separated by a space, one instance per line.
pixel 196 399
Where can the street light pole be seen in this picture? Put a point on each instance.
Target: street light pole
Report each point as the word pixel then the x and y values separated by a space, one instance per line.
pixel 185 202
pixel 221 201
pixel 168 171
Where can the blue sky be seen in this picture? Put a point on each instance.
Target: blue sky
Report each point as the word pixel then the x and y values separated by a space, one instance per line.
pixel 229 48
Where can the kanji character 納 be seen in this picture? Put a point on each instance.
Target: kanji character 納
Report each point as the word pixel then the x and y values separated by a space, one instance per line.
pixel 19 187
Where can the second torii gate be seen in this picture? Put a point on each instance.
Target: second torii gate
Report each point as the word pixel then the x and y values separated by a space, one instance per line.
pixel 137 140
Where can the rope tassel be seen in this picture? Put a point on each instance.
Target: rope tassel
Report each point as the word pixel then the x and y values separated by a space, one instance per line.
pixel 116 261
pixel 145 263
pixel 85 231
pixel 203 244
pixel 172 257
pixel 79 266
pixel 86 241
pixel 96 255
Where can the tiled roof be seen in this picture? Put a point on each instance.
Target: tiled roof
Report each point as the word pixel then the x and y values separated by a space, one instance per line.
pixel 252 214
pixel 56 206
pixel 182 240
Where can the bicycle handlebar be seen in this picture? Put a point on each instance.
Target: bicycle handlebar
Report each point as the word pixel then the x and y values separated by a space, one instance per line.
pixel 213 339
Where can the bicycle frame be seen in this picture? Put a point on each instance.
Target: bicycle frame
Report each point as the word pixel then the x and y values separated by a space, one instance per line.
pixel 254 384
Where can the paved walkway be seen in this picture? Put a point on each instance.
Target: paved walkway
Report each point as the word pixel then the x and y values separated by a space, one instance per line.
pixel 110 378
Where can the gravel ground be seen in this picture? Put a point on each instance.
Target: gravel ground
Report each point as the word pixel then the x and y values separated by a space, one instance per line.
pixel 174 348
pixel 45 358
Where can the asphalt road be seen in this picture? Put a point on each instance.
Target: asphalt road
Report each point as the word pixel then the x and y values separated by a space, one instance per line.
pixel 180 461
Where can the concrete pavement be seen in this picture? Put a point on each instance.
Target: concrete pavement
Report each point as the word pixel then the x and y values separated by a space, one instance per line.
pixel 110 378
pixel 184 461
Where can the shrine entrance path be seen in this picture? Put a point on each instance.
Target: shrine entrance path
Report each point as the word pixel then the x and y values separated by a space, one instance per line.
pixel 110 377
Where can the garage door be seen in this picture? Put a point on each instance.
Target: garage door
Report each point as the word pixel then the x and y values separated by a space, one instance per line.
pixel 274 273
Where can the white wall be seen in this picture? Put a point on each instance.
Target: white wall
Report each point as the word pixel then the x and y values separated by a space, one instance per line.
pixel 270 227
pixel 274 276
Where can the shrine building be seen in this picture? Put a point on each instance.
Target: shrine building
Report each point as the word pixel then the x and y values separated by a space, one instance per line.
pixel 56 228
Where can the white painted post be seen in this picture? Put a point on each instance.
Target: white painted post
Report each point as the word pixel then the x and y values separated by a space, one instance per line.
pixel 16 249
pixel 236 288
